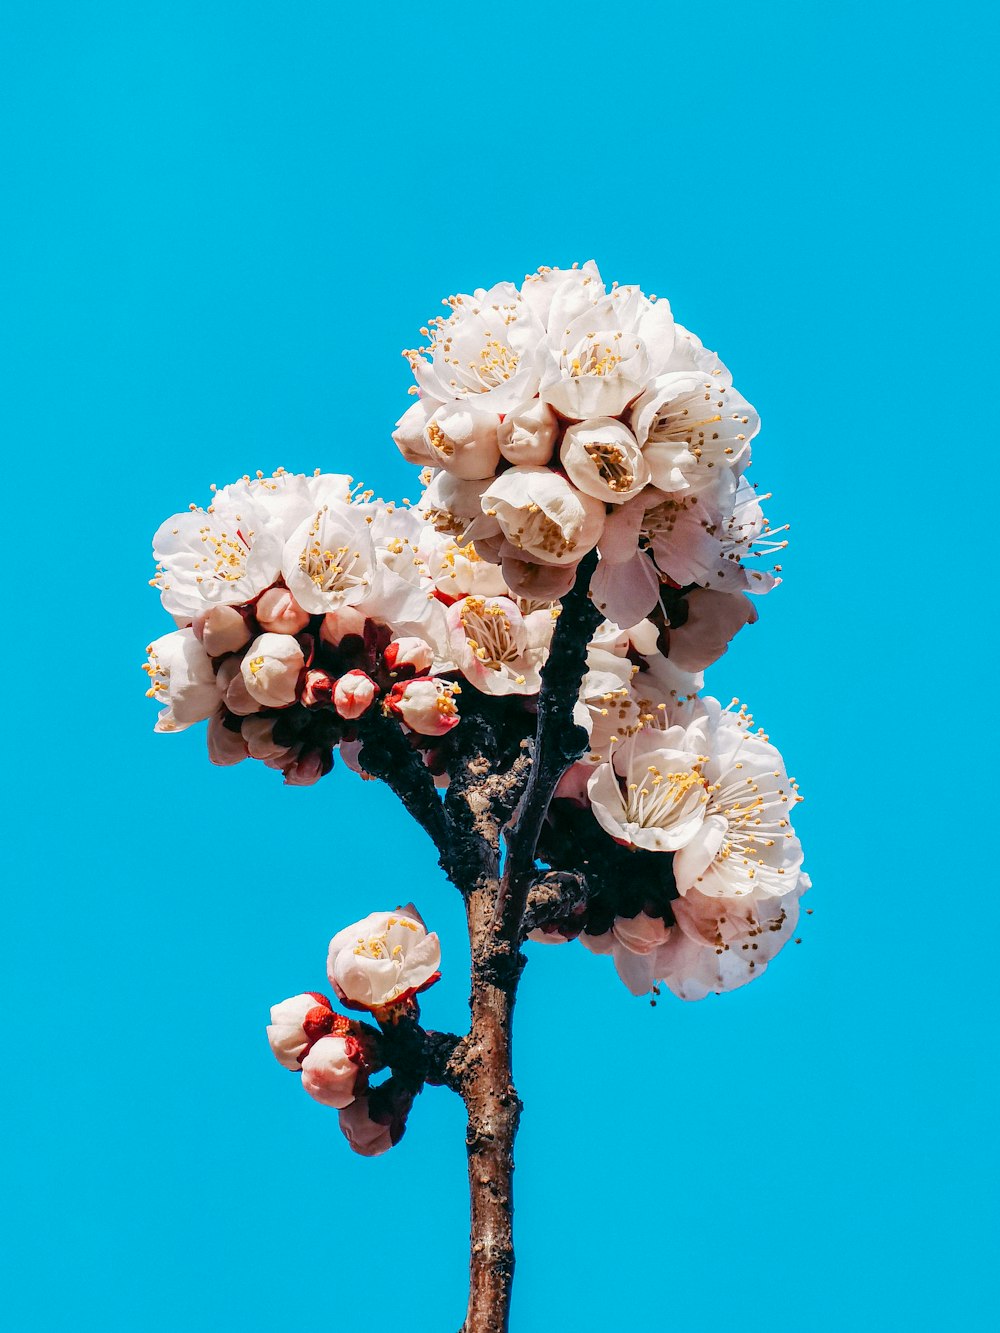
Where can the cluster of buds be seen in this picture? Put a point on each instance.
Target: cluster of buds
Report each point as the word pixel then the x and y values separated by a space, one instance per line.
pixel 379 965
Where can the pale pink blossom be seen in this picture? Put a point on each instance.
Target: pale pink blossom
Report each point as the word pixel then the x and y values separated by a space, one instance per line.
pixel 221 629
pixel 332 1070
pixel 225 746
pixel 365 1136
pixel 277 610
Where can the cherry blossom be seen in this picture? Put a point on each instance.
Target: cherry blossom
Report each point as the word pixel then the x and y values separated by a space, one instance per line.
pixel 384 959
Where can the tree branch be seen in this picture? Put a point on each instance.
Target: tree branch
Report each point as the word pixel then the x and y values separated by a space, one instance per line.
pixel 387 754
pixel 559 742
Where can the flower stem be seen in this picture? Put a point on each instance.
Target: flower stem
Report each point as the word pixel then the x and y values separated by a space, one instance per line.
pixel 493 1113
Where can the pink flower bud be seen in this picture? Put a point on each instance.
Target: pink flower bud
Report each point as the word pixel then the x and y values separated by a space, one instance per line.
pixel 258 732
pixel 225 747
pixel 278 610
pixel 308 767
pixel 295 1024
pixel 317 688
pixel 364 1135
pixel 237 697
pixel 332 1070
pixel 221 630
pixel 426 705
pixel 338 625
pixel 409 652
pixel 354 694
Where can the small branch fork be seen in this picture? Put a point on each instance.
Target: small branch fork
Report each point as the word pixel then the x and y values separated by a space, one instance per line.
pixel 498 788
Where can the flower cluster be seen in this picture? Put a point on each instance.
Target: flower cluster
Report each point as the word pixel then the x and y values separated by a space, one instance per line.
pixel 378 965
pixel 562 416
pixel 302 605
pixel 551 421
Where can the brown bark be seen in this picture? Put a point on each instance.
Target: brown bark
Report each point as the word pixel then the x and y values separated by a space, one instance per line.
pixel 483 1063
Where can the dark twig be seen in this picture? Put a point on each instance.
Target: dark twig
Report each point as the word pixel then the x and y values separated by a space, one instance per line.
pixel 387 754
pixel 559 742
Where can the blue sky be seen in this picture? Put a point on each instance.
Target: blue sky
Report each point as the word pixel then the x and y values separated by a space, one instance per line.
pixel 222 222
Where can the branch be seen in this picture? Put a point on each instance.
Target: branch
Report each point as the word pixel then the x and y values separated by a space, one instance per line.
pixel 387 754
pixel 559 742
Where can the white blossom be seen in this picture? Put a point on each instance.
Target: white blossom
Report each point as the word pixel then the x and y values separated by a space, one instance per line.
pixel 329 560
pixel 383 959
pixel 745 845
pixel 353 694
pixel 692 427
pixel 221 629
pixel 498 649
pixel 528 434
pixel 598 361
pixel 332 1070
pixel 287 1032
pixel 485 352
pixel 182 679
pixel 601 456
pixel 651 793
pixel 463 441
pixel 225 554
pixel 271 668
pixel 544 516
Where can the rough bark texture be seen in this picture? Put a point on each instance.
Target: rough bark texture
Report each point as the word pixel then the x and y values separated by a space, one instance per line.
pixel 484 1066
pixel 502 779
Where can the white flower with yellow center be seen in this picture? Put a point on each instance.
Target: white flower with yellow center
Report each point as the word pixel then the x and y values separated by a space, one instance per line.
pixel 181 678
pixel 498 649
pixel 541 514
pixel 598 361
pixel 691 427
pixel 602 457
pixel 484 353
pixel 745 845
pixel 651 793
pixel 225 554
pixel 329 560
pixel 286 499
pixel 383 959
pixel 606 706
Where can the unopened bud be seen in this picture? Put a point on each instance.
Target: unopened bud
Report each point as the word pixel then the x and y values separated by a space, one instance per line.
pixel 413 653
pixel 271 667
pixel 221 629
pixel 354 694
pixel 295 1024
pixel 338 625
pixel 317 688
pixel 277 610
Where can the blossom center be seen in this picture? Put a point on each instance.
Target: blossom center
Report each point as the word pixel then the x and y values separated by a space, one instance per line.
pixel 664 799
pixel 489 633
pixel 612 465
